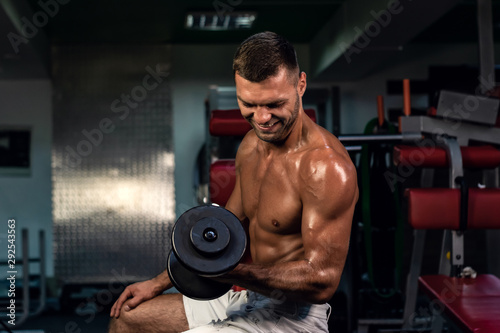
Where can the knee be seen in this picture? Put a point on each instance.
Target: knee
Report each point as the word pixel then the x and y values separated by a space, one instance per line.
pixel 113 326
pixel 126 322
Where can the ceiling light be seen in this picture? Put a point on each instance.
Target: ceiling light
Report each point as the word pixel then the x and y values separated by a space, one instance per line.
pixel 216 22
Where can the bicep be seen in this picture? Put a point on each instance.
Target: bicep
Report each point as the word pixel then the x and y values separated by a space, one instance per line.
pixel 328 201
pixel 234 203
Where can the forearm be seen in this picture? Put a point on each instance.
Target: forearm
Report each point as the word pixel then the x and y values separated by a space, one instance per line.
pixel 162 281
pixel 297 280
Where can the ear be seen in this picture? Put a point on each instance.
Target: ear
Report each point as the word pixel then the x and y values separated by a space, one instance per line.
pixel 302 84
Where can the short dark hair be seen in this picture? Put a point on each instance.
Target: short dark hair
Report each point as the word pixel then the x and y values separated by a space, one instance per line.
pixel 262 55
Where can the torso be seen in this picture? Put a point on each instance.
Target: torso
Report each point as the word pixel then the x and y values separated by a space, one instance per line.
pixel 270 186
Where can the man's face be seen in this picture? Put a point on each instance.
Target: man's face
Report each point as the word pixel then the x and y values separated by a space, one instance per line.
pixel 270 106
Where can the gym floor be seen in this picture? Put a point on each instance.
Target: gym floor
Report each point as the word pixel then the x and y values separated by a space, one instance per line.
pixel 55 320
pixel 65 323
pixel 62 323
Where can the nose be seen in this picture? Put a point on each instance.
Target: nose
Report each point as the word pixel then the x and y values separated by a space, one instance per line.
pixel 262 115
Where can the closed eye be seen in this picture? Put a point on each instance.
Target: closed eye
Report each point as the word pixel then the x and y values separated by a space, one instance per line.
pixel 247 105
pixel 274 105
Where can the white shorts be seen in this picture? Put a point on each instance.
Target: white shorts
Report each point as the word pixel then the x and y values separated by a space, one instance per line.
pixel 247 311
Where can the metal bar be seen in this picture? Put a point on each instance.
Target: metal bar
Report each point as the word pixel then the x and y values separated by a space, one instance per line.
pixel 43 291
pixel 457 252
pixel 450 240
pixel 26 279
pixel 5 263
pixel 336 111
pixel 360 139
pixel 456 170
pixel 381 321
pixel 353 148
pixel 444 263
pixel 412 280
pixel 486 45
pixel 454 156
pixel 491 178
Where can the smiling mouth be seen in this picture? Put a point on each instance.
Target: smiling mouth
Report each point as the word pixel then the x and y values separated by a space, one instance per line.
pixel 267 126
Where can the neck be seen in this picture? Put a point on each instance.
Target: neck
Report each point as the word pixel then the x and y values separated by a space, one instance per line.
pixel 293 141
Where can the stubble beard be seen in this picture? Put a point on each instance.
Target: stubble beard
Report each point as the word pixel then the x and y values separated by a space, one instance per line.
pixel 283 132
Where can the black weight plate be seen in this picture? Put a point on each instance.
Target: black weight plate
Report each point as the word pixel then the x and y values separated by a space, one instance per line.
pixel 191 285
pixel 201 263
pixel 210 236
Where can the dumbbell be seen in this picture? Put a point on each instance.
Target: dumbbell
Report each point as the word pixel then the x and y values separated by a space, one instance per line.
pixel 207 241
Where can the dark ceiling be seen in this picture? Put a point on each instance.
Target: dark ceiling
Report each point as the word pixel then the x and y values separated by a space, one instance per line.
pixel 322 24
pixel 162 21
pixel 459 25
pixel 154 21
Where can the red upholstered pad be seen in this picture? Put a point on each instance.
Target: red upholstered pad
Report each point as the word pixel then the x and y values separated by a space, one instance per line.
pixel 435 208
pixel 483 157
pixel 231 123
pixel 227 123
pixel 484 208
pixel 222 179
pixel 439 208
pixel 474 304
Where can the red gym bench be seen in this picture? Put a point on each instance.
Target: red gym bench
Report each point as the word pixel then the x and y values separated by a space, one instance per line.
pixel 471 303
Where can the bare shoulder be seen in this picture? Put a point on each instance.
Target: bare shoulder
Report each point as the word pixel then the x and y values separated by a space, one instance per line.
pixel 326 168
pixel 247 146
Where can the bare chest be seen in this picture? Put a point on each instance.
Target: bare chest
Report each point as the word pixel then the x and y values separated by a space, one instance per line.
pixel 270 196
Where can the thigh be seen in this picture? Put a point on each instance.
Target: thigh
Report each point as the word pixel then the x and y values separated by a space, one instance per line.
pixel 164 313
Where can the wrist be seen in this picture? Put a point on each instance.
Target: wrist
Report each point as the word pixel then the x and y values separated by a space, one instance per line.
pixel 162 281
pixel 239 272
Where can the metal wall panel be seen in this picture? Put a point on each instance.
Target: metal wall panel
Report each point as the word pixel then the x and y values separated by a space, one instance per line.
pixel 112 162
